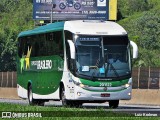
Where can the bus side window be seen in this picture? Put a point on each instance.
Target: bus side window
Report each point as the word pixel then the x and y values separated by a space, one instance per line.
pixel 55 43
pixel 41 41
pixel 20 47
pixel 32 46
pixel 68 55
pixel 35 47
pixel 59 42
pixel 23 46
pixel 49 44
pixel 28 44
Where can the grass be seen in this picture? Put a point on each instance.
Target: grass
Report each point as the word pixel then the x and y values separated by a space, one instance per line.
pixel 58 113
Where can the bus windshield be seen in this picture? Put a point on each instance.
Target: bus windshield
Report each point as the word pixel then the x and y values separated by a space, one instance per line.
pixel 103 56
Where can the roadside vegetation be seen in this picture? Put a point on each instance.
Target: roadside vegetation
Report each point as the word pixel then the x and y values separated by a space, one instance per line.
pixel 141 19
pixel 15 16
pixel 60 113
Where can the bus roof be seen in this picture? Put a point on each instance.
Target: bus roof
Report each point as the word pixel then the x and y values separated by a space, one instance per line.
pixel 43 29
pixel 94 27
pixel 90 27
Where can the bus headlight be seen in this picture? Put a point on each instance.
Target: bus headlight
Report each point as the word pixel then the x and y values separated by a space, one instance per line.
pixel 80 84
pixel 83 86
pixel 128 85
pixel 78 93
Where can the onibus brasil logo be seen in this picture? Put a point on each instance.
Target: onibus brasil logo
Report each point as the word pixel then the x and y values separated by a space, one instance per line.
pixel 39 64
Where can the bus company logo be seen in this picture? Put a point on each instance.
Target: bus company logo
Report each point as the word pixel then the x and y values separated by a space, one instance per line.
pixel 105 88
pixel 42 64
pixel 21 115
pixel 25 60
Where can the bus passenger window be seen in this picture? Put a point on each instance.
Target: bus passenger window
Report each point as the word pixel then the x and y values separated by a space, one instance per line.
pixel 20 47
pixel 55 41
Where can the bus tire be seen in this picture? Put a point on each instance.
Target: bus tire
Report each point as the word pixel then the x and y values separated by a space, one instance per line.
pixel 113 103
pixel 31 100
pixel 76 104
pixel 65 102
pixel 68 103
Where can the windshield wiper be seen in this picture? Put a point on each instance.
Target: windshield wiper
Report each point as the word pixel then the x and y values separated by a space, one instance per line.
pixel 116 73
pixel 93 75
pixel 85 75
pixel 112 67
pixel 95 67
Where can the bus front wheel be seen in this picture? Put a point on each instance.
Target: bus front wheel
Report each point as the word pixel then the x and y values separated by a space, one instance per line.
pixel 113 103
pixel 31 100
pixel 69 103
pixel 65 102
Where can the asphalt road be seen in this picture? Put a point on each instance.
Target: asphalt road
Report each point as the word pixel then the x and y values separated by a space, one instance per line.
pixel 137 110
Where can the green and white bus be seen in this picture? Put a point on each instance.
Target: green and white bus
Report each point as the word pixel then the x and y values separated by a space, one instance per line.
pixel 76 62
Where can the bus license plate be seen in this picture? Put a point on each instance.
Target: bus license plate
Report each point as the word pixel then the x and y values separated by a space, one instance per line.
pixel 105 95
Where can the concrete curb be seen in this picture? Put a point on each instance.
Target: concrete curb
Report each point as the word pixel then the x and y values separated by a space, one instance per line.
pixel 9 93
pixel 144 96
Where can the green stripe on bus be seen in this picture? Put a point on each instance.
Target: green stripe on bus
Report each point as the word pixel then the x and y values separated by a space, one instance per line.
pixel 105 83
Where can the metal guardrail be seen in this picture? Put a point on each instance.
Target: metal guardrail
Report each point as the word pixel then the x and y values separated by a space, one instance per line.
pixel 143 78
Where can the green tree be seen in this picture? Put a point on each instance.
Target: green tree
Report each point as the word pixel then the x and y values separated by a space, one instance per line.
pixel 16 16
pixel 129 7
pixel 144 29
pixel 148 26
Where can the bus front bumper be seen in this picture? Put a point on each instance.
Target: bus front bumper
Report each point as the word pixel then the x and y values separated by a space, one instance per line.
pixel 83 94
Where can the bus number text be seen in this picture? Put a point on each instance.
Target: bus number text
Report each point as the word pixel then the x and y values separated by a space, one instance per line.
pixel 105 84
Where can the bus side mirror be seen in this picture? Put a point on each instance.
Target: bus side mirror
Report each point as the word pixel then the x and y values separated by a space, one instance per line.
pixel 72 48
pixel 135 49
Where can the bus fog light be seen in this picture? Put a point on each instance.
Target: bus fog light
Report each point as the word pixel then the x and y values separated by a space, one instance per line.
pixel 78 93
pixel 129 94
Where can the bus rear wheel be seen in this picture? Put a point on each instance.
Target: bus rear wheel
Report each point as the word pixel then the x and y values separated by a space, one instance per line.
pixel 33 101
pixel 113 103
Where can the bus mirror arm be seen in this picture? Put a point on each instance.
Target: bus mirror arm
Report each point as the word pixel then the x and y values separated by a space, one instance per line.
pixel 135 49
pixel 72 48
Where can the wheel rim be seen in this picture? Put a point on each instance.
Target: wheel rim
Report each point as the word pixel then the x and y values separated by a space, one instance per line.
pixel 63 97
pixel 30 95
